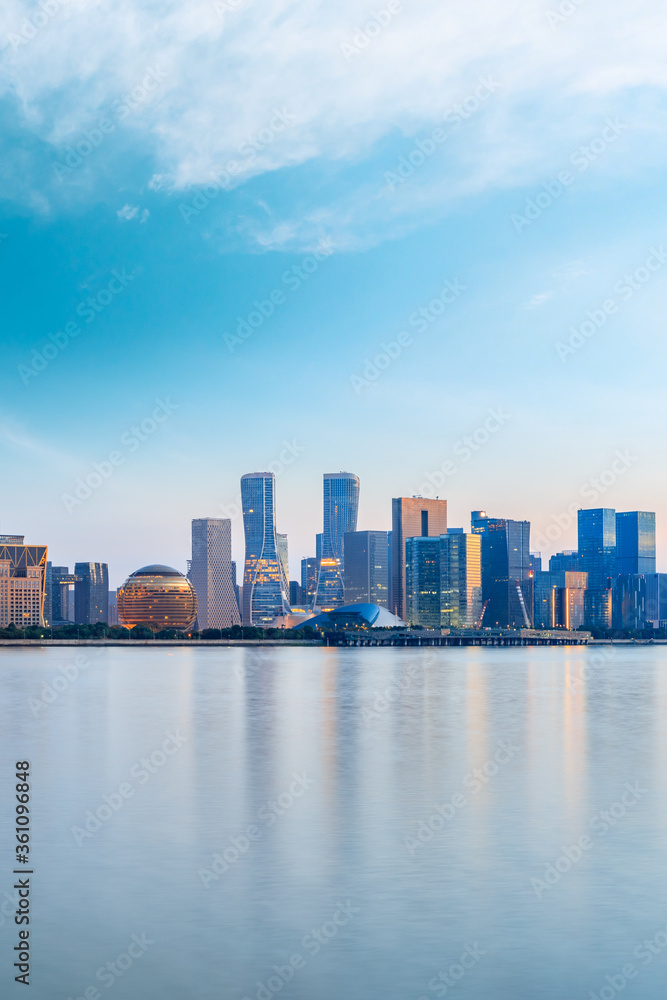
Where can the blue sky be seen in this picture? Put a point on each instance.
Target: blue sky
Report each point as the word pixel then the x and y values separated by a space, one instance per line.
pixel 236 154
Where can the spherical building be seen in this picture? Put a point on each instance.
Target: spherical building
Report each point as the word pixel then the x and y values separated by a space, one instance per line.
pixel 157 596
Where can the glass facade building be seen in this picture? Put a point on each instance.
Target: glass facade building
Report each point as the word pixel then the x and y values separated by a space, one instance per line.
pixel 265 586
pixel 91 593
pixel 366 556
pixel 656 599
pixel 411 517
pixel 597 546
pixel 635 542
pixel 341 507
pixel 460 580
pixel 159 597
pixel 564 562
pixel 422 578
pixel 507 583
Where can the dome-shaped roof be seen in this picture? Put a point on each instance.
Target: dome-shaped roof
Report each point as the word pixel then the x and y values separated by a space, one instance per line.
pixel 156 569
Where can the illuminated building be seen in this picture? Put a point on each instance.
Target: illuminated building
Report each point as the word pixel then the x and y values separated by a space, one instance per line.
pixel 211 573
pixel 308 579
pixel 157 596
pixel 412 517
pixel 283 553
pixel 341 506
pixel 460 580
pixel 22 582
pixel 91 593
pixel 366 558
pixel 422 581
pixel 597 557
pixel 507 584
pixel 265 586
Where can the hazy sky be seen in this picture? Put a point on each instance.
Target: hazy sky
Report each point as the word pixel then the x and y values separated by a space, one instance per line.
pixel 215 216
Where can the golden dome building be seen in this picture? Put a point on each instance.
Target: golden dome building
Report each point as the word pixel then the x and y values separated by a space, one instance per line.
pixel 157 596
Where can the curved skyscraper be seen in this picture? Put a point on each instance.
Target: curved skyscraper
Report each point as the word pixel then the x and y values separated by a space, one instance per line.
pixel 341 506
pixel 265 587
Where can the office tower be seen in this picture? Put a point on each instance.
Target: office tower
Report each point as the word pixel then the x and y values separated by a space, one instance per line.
pixel 341 506
pixel 597 557
pixel 507 587
pixel 113 607
pixel 571 605
pixel 237 589
pixel 91 593
pixel 308 580
pixel 411 517
pixel 56 598
pixel 545 591
pixel 422 581
pixel 318 549
pixel 535 562
pixel 635 542
pixel 597 546
pixel 211 573
pixel 48 594
pixel 564 562
pixel 656 599
pixel 281 541
pixel 265 588
pixel 295 597
pixel 366 555
pixel 22 582
pixel 390 601
pixel 629 609
pixel 460 580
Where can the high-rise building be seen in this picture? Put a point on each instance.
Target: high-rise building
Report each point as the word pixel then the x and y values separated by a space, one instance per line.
pixel 656 599
pixel 91 593
pixel 629 602
pixel 571 607
pixel 535 560
pixel 597 546
pixel 295 597
pixel 545 593
pixel 341 506
pixel 635 542
pixel 460 580
pixel 597 557
pixel 22 582
pixel 308 580
pixel 57 593
pixel 366 555
pixel 265 586
pixel 283 554
pixel 211 573
pixel 564 562
pixel 411 517
pixel 507 584
pixel 422 581
pixel 113 607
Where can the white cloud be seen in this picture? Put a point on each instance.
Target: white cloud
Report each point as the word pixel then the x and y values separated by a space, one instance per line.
pixel 217 83
pixel 129 212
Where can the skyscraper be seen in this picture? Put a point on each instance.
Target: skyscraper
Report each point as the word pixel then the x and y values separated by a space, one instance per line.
pixel 283 553
pixel 411 517
pixel 341 506
pixel 597 546
pixel 91 593
pixel 22 582
pixel 211 573
pixel 422 581
pixel 564 562
pixel 460 580
pixel 635 542
pixel 507 585
pixel 308 580
pixel 265 587
pixel 366 567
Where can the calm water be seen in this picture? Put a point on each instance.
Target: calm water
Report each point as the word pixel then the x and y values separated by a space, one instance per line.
pixel 313 776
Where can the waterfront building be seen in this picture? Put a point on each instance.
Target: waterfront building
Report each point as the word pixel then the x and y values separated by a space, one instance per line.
pixel 159 597
pixel 113 607
pixel 597 608
pixel 265 586
pixel 212 573
pixel 283 555
pixel 571 610
pixel 308 580
pixel 597 557
pixel 295 593
pixel 545 591
pixel 341 507
pixel 629 602
pixel 635 542
pixel 460 579
pixel 507 584
pixel 422 581
pixel 91 593
pixel 22 582
pixel 411 517
pixel 366 558
pixel 656 599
